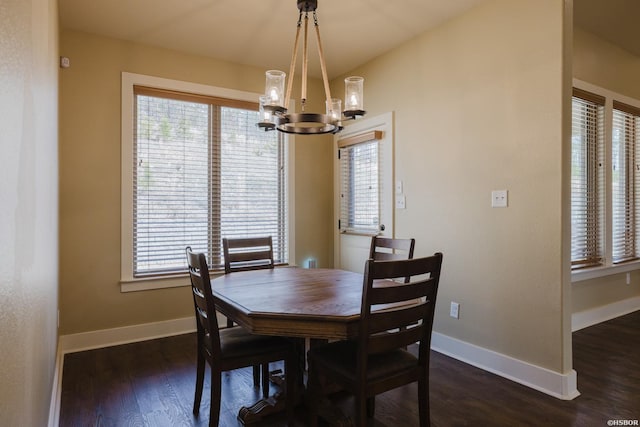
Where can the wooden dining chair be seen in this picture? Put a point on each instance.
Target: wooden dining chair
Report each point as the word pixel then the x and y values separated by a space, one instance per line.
pixel 253 253
pixel 387 249
pixel 230 348
pixel 243 254
pixel 393 315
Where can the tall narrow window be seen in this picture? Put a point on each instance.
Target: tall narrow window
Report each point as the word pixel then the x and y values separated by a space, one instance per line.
pixel 360 188
pixel 587 180
pixel 625 182
pixel 202 171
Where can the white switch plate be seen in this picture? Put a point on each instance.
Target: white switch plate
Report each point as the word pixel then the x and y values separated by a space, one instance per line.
pixel 499 198
pixel 398 186
pixel 401 201
pixel 455 310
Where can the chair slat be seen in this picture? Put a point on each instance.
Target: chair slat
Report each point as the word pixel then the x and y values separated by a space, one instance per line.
pixel 396 318
pixel 402 338
pixel 400 292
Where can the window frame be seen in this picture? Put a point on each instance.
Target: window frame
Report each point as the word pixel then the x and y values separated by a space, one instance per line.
pixel 347 144
pixel 608 267
pixel 128 282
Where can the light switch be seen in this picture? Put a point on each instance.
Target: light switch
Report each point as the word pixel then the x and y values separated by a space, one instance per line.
pixel 499 198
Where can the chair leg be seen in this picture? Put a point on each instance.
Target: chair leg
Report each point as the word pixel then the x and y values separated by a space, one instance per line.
pixel 291 377
pixel 371 406
pixel 199 383
pixel 216 394
pixel 265 379
pixel 314 393
pixel 256 375
pixel 423 402
pixel 361 409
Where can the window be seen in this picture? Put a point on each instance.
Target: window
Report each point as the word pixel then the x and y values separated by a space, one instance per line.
pixel 587 180
pixel 605 182
pixel 625 180
pixel 200 170
pixel 360 189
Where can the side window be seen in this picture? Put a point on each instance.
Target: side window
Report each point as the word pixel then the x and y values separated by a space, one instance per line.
pixel 360 189
pixel 202 171
pixel 625 182
pixel 587 180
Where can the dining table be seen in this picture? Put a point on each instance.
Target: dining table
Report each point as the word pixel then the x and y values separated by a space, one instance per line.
pixel 301 303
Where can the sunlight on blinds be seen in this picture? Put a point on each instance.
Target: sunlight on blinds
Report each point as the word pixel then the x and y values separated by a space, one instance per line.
pixel 587 183
pixel 360 189
pixel 202 172
pixel 625 179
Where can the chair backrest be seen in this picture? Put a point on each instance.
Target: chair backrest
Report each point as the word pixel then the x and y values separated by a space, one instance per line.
pixel 203 303
pixel 252 253
pixel 384 248
pixel 396 314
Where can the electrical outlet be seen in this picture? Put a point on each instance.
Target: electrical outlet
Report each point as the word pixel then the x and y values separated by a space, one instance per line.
pixel 455 310
pixel 499 198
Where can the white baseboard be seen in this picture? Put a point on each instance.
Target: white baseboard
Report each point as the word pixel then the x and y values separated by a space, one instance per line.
pixel 56 390
pixel 597 315
pixel 126 334
pixel 561 386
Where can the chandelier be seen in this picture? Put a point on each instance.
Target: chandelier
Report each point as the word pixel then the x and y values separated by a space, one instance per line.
pixel 274 102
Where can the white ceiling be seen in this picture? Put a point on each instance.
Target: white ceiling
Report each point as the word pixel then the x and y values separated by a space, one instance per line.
pixel 617 21
pixel 261 32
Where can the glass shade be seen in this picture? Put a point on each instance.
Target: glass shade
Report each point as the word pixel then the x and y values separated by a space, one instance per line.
pixel 266 115
pixel 334 109
pixel 274 88
pixel 353 93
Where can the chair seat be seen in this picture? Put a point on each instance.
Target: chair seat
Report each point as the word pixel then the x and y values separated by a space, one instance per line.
pixel 341 357
pixel 236 343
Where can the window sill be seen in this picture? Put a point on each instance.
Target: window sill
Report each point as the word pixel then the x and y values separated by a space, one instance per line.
pixel 595 272
pixel 165 282
pixel 156 282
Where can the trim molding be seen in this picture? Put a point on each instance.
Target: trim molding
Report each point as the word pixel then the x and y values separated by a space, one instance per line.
pixel 601 314
pixel 561 386
pixel 56 391
pixel 124 335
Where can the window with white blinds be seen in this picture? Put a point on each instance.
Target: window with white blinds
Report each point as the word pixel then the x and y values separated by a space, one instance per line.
pixel 202 171
pixel 360 186
pixel 625 182
pixel 587 180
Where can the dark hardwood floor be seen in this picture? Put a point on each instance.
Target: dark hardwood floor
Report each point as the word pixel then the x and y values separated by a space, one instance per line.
pixel 151 384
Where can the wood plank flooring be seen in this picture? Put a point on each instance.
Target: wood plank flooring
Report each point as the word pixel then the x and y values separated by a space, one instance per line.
pixel 151 384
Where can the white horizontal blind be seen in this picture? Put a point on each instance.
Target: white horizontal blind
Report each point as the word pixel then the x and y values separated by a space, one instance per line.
pixel 360 189
pixel 587 180
pixel 625 182
pixel 202 171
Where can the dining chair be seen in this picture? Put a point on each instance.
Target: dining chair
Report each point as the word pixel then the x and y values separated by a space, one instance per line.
pixel 243 254
pixel 230 348
pixel 393 315
pixel 385 248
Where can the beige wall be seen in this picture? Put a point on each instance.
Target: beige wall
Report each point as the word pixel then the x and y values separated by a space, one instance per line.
pixel 28 209
pixel 90 179
pixel 478 107
pixel 601 63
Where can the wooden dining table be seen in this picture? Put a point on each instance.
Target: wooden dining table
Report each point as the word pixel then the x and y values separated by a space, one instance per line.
pixel 292 302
